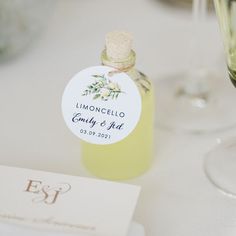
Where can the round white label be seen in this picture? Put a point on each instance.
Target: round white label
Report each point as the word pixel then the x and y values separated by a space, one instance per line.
pixel 101 105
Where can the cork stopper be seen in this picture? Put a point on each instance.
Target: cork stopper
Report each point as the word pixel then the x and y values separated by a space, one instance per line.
pixel 118 45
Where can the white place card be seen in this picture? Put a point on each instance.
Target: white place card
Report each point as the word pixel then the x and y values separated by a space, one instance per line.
pixel 135 229
pixel 63 203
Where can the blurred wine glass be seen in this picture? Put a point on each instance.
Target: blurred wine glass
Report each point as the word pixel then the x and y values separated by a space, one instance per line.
pixel 220 163
pixel 196 101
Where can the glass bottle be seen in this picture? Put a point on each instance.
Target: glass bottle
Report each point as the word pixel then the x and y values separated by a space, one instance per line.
pixel 131 156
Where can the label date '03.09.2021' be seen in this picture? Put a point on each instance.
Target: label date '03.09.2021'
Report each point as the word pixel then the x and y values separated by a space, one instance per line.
pixel 93 133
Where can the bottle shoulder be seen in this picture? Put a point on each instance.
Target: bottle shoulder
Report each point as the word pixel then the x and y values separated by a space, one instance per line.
pixel 142 81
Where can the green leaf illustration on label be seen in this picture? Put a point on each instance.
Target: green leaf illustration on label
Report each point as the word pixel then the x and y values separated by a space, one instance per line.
pixel 103 88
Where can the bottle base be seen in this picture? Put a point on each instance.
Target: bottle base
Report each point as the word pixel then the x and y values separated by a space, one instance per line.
pixel 112 175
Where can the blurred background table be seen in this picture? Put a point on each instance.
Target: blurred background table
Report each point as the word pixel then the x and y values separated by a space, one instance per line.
pixel 176 198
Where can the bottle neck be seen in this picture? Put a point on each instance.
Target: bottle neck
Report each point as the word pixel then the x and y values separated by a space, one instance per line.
pixel 125 65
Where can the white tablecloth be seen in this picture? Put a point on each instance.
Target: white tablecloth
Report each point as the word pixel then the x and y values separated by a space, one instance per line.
pixel 176 199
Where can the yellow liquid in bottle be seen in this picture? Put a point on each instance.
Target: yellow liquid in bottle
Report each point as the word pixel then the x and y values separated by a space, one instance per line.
pixel 131 156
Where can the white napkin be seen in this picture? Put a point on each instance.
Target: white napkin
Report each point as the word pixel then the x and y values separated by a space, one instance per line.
pixel 15 230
